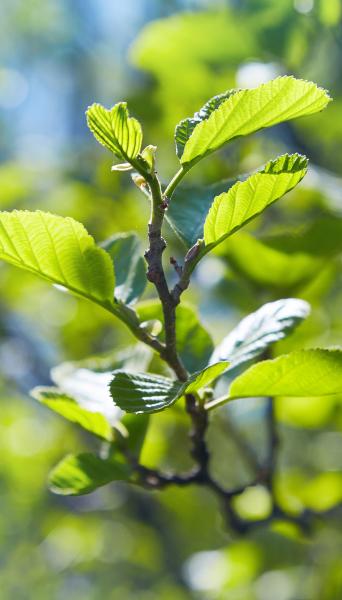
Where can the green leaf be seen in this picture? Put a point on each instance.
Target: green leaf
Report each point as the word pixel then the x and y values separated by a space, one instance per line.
pixel 136 427
pixel 129 266
pixel 116 130
pixel 145 393
pixel 185 128
pixel 58 249
pixel 275 268
pixel 256 332
pixel 247 199
pixel 68 408
pixel 80 474
pixel 89 389
pixel 194 343
pixel 189 207
pixel 301 373
pixel 248 111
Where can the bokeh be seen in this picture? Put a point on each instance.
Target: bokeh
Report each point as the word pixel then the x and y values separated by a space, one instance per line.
pixel 167 57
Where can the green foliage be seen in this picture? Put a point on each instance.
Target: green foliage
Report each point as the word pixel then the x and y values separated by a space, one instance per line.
pixel 304 373
pixel 80 474
pixel 245 200
pixel 259 330
pixel 248 111
pixel 59 250
pixel 135 392
pixel 116 130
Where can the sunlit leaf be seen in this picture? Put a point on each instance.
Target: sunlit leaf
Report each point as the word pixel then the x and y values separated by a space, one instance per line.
pixel 116 130
pixel 248 111
pixel 58 249
pixel 145 393
pixel 67 407
pixel 256 332
pixel 247 199
pixel 185 128
pixel 304 373
pixel 129 266
pixel 80 474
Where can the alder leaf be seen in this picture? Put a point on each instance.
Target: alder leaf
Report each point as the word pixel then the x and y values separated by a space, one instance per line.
pixel 129 266
pixel 146 393
pixel 185 128
pixel 58 249
pixel 247 199
pixel 301 373
pixel 247 111
pixel 256 332
pixel 79 474
pixel 67 407
pixel 116 130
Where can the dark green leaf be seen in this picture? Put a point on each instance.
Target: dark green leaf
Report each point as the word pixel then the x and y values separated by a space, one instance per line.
pixel 129 266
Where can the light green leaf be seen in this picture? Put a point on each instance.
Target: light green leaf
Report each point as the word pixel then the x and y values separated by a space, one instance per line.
pixel 185 128
pixel 58 249
pixel 301 373
pixel 79 474
pixel 248 111
pixel 247 199
pixel 189 207
pixel 146 393
pixel 194 343
pixel 116 130
pixel 136 427
pixel 256 332
pixel 129 266
pixel 275 268
pixel 68 408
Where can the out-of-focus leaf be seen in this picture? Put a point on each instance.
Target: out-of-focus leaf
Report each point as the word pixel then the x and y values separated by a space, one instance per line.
pixel 58 249
pixel 248 111
pixel 304 373
pixel 136 427
pixel 194 343
pixel 256 332
pixel 67 407
pixel 146 393
pixel 79 474
pixel 247 199
pixel 116 130
pixel 274 267
pixel 129 266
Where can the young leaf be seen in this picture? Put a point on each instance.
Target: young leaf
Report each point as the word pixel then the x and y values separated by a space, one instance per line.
pixel 185 128
pixel 88 388
pixel 145 393
pixel 80 474
pixel 67 407
pixel 116 130
pixel 247 111
pixel 129 266
pixel 247 199
pixel 301 373
pixel 194 343
pixel 255 333
pixel 58 249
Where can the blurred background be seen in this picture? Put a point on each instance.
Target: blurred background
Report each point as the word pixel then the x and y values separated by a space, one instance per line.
pixel 166 57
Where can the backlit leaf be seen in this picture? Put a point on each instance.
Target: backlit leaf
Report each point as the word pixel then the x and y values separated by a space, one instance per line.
pixel 129 266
